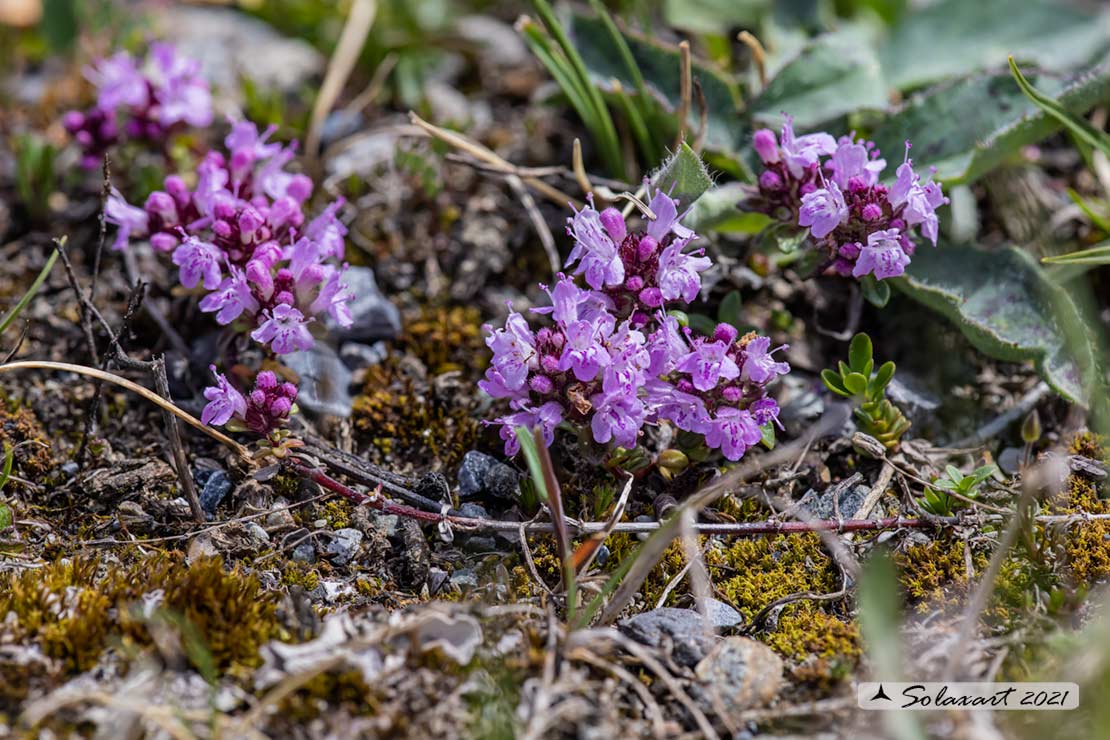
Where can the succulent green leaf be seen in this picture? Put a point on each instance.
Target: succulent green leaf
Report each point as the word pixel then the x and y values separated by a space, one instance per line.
pixel 1004 304
pixel 879 382
pixel 859 352
pixel 832 382
pixel 855 383
pixel 767 435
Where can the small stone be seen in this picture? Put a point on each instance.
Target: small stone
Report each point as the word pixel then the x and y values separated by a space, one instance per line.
pixel 357 356
pixel 843 499
pixel 481 543
pixel 320 523
pixel 437 577
pixel 481 474
pixel 909 394
pixel 280 519
pixel 1086 466
pixel 743 672
pixel 683 628
pixel 257 533
pixel 386 524
pixel 602 555
pixel 325 380
pixel 344 545
pixel 374 317
pixel 305 552
pixel 70 468
pixel 721 614
pixel 216 484
pixel 1010 459
pixel 465 578
pixel 472 510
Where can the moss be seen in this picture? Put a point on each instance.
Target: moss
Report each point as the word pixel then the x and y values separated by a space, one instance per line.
pixel 1088 444
pixel 623 545
pixel 75 609
pixel 20 428
pixel 448 339
pixel 822 647
pixel 399 421
pixel 337 513
pixel 752 573
pixel 935 573
pixel 1086 545
pixel 332 692
pixel 300 574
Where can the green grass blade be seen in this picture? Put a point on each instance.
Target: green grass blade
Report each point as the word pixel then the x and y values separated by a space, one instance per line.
pixel 1099 220
pixel 9 458
pixel 1082 130
pixel 1097 255
pixel 17 309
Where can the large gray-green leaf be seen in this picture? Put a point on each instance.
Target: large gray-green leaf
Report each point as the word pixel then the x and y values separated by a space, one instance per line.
pixel 660 66
pixel 1004 304
pixel 834 74
pixel 969 126
pixel 684 176
pixel 957 37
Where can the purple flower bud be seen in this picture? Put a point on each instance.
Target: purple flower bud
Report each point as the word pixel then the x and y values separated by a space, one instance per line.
pixel 732 394
pixel 289 391
pixel 646 248
pixel 250 221
pixel 634 283
pixel 871 211
pixel 258 397
pixel 177 188
pixel 300 187
pixel 73 120
pixel 770 181
pixel 726 333
pixel 549 364
pixel 685 386
pixel 766 145
pixel 280 407
pixel 266 380
pixel 163 242
pixel 285 297
pixel 849 251
pixel 613 222
pixel 162 205
pixel 651 297
pixel 541 384
pixel 222 229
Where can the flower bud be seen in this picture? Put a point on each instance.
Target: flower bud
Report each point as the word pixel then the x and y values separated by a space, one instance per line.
pixel 732 394
pixel 871 212
pixel 646 248
pixel 162 205
pixel 280 407
pixel 549 364
pixel 300 187
pixel 258 397
pixel 634 283
pixel 221 229
pixel 725 333
pixel 541 384
pixel 849 251
pixel 770 181
pixel 651 297
pixel 613 222
pixel 163 242
pixel 766 146
pixel 289 391
pixel 1031 428
pixel 266 380
pixel 73 120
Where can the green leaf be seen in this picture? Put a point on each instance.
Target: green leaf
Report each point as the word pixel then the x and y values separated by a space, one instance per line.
pixel 59 23
pixel 659 62
pixel 767 435
pixel 859 352
pixel 17 309
pixel 716 210
pixel 969 126
pixel 1004 304
pixel 956 37
pixel 730 309
pixel 832 382
pixel 9 458
pixel 6 517
pixel 876 292
pixel 882 377
pixel 684 176
pixel 1100 220
pixel 954 473
pixel 834 74
pixel 855 383
pixel 1096 255
pixel 1079 128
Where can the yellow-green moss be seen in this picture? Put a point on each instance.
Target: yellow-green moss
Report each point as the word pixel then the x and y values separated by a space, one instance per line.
pixel 623 545
pixel 822 648
pixel 397 420
pixel 337 513
pixel 935 573
pixel 20 428
pixel 448 339
pixel 300 574
pixel 75 609
pixel 751 573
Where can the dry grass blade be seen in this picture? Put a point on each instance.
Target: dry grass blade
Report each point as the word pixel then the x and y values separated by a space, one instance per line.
pixel 347 51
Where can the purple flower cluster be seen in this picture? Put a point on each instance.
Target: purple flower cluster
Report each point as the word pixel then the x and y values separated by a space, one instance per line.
pixel 140 101
pixel 241 235
pixel 263 410
pixel 613 359
pixel 832 187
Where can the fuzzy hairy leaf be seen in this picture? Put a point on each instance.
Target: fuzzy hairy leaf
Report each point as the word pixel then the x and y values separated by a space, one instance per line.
pixel 967 127
pixel 956 37
pixel 684 176
pixel 1004 304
